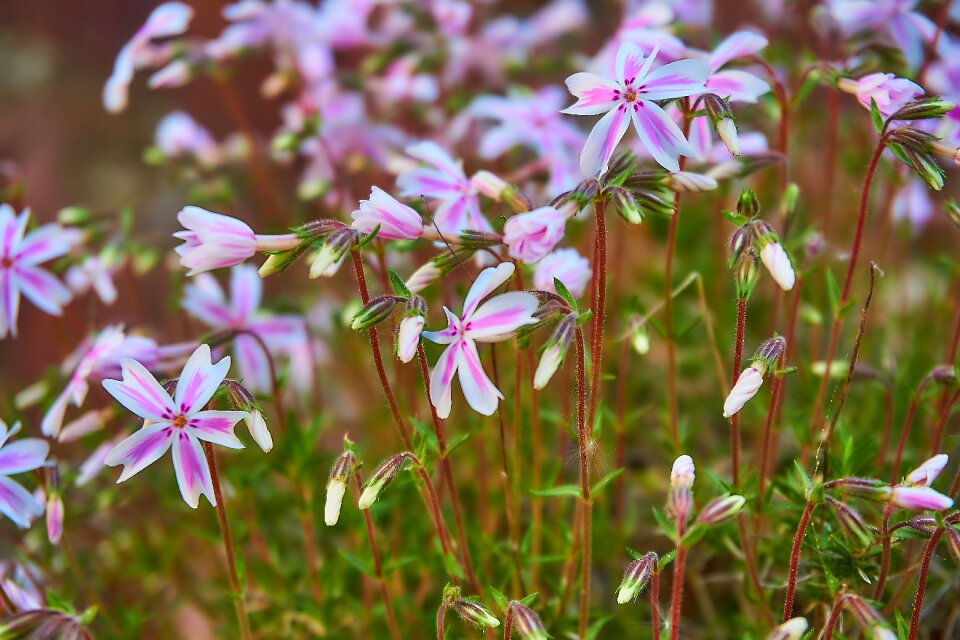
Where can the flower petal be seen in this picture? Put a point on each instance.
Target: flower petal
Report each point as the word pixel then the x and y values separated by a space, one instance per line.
pixel 23 455
pixel 44 243
pixel 498 318
pixel 441 380
pixel 246 289
pixel 737 85
pixel 595 94
pixel 427 182
pixel 17 504
pixel 190 465
pixel 449 334
pixel 42 289
pixel 9 303
pixel 204 300
pixel 141 449
pixel 480 393
pixel 199 380
pixel 662 138
pixel 630 63
pixel 252 363
pixel 216 427
pixel 602 142
pixel 675 80
pixel 736 45
pixel 431 153
pixel 140 392
pixel 485 284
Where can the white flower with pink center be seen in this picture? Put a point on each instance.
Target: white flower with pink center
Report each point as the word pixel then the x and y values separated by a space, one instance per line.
pixel 27 454
pixel 888 91
pixel 567 266
pixel 179 422
pixel 632 96
pixel 495 320
pixel 531 236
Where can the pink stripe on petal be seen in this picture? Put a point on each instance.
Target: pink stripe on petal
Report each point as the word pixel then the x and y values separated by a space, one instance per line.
pixel 479 392
pixel 485 284
pixel 502 315
pixel 629 62
pixel 602 141
pixel 246 289
pixel 660 135
pixel 675 80
pixel 595 94
pixel 199 380
pixel 442 378
pixel 9 304
pixel 42 289
pixel 140 392
pixel 23 455
pixel 193 474
pixel 252 363
pixel 216 427
pixel 17 504
pixel 141 449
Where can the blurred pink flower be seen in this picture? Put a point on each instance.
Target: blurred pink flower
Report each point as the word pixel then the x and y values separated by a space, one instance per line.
pixel 912 202
pixel 397 221
pixel 631 97
pixel 567 266
pixel 180 136
pixel 494 321
pixel 282 334
pixel 888 91
pixel 26 454
pixel 458 209
pixel 179 422
pixel 926 473
pixel 735 84
pixel 909 29
pixel 919 498
pixel 20 255
pixel 94 272
pixel 531 236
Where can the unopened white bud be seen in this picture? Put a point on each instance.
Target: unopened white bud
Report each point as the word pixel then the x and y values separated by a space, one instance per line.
pixel 746 387
pixel 777 262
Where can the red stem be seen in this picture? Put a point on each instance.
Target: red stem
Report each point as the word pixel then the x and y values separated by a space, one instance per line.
pixel 676 597
pixel 655 604
pixel 834 617
pixel 795 561
pixel 600 309
pixel 922 584
pixel 884 553
pixel 585 512
pixel 377 566
pixel 735 418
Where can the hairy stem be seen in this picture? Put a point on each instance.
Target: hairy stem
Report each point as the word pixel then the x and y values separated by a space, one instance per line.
pixel 377 565
pixel 922 582
pixel 585 510
pixel 795 561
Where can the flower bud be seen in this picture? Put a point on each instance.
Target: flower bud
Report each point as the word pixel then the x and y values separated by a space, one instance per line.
pixel 777 262
pixel 332 251
pixel 953 212
pixel 475 614
pixel 739 242
pixel 862 487
pixel 374 312
pixel 337 487
pixel 423 277
pixel 527 623
pixel 852 523
pixel 555 349
pixel 944 375
pixel 382 476
pixel 923 524
pixel 868 618
pixel 683 473
pixel 241 398
pixel 747 386
pixel 924 108
pixel 792 629
pixel 54 508
pixel 919 498
pixel 746 273
pixel 747 204
pixel 636 577
pixel 627 205
pixel 721 117
pixel 946 150
pixel 43 623
pixel 640 338
pixel 926 473
pixel 680 500
pixel 408 336
pixel 719 510
pixel 952 537
pixel 770 350
pixel 500 190
pixel 687 182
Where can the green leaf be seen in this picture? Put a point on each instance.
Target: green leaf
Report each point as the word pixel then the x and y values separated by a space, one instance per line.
pixel 529 599
pixel 563 490
pixel 367 239
pixel 457 441
pixel 734 217
pixel 607 479
pixel 594 629
pixel 903 631
pixel 665 560
pixel 399 287
pixel 502 601
pixel 665 525
pixel 694 535
pixel 357 562
pixel 875 116
pixel 564 293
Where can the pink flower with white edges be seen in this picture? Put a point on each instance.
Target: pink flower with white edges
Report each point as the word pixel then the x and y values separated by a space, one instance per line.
pixel 213 240
pixel 26 454
pixel 95 272
pixel 204 299
pixel 531 236
pixel 495 320
pixel 567 266
pixel 179 422
pixel 397 221
pixel 777 262
pixel 919 498
pixel 459 207
pixel 910 30
pixel 21 253
pixel 926 473
pixel 408 337
pixel 632 96
pixel 168 19
pixel 736 85
pixel 747 386
pixel 888 91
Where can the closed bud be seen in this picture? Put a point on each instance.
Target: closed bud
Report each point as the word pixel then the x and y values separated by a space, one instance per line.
pixel 720 510
pixel 919 498
pixel 770 350
pixel 926 473
pixel 628 208
pixel 777 262
pixel 332 251
pixel 852 524
pixel 747 203
pixel 337 486
pixel 423 277
pixel 792 629
pixel 747 386
pixel 382 476
pixel 527 623
pixel 952 537
pixel 40 624
pixel 910 139
pixel 636 577
pixel 946 150
pixel 746 273
pixel 640 338
pixel 680 499
pixel 861 487
pixel 280 260
pixel 54 508
pixel 739 242
pixel 721 117
pixel 554 351
pixel 927 169
pixel 868 618
pixel 688 182
pixel 408 336
pixel 374 312
pixel 944 374
pixel 475 614
pixel 500 190
pixel 923 109
pixel 243 400
pixel 923 524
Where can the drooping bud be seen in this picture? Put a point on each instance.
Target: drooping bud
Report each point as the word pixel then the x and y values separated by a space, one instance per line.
pixel 332 251
pixel 720 510
pixel 852 523
pixel 337 486
pixel 474 613
pixel 640 338
pixel 777 262
pixel 868 618
pixel 500 190
pixel 437 267
pixel 919 498
pixel 554 351
pixel 747 386
pixel 923 524
pixel 527 623
pixel 54 507
pixel 739 242
pixel 916 148
pixel 869 488
pixel 718 110
pixel 382 476
pixel 408 335
pixel 626 204
pixel 243 400
pixel 926 473
pixel 792 629
pixel 636 577
pixel 687 182
pixel 746 273
pixel 924 109
pixel 747 204
pixel 952 538
pixel 374 312
pixel 680 500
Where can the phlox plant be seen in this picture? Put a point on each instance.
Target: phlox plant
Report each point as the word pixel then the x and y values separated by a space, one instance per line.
pixel 531 320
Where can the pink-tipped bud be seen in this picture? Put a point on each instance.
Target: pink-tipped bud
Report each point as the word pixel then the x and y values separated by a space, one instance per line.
pixel 720 510
pixel 337 486
pixel 408 337
pixel 868 618
pixel 919 499
pixel 683 473
pixel 777 262
pixel 862 487
pixel 792 629
pixel 475 614
pixel 636 577
pixel 852 524
pixel 500 190
pixel 242 399
pixel 424 277
pixel 382 476
pixel 554 351
pixel 926 473
pixel 687 182
pixel 747 386
pixel 527 623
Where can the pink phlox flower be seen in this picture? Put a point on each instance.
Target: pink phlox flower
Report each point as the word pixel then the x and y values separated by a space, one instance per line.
pixel 888 91
pixel 495 320
pixel 21 253
pixel 404 83
pixel 567 266
pixel 697 13
pixel 25 454
pixel 180 136
pixel 533 121
pixel 94 272
pixel 445 183
pixel 910 30
pixel 647 26
pixel 632 95
pixel 204 299
pixel 736 85
pixel 167 20
pixel 532 235
pixel 912 203
pixel 22 583
pixel 179 422
pixel 452 16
